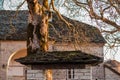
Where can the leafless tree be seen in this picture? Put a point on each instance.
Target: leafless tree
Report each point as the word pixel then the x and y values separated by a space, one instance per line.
pixel 106 13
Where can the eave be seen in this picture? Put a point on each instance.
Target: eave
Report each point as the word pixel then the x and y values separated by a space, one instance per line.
pixel 60 59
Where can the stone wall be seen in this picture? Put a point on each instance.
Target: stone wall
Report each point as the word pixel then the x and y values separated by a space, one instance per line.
pixel 98 72
pixel 89 48
pixel 35 75
pixel 10 47
pixel 109 75
pixel 7 48
pixel 79 74
pixel 83 74
pixel 59 74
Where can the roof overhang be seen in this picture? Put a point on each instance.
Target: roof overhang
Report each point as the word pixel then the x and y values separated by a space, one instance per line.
pixel 60 59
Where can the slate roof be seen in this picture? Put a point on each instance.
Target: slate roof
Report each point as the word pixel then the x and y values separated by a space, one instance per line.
pixel 60 32
pixel 60 58
pixel 113 65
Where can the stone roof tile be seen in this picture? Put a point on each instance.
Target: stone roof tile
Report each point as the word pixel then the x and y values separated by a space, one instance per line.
pixel 60 32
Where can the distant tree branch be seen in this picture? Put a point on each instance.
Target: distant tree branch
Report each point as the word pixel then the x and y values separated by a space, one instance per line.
pixel 59 15
pixel 95 16
pixel 88 6
pixel 115 4
pixel 83 5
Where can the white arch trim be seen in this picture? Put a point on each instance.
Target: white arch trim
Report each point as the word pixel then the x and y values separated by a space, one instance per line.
pixel 11 56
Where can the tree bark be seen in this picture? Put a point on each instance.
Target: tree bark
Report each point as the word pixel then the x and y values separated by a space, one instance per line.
pixel 48 74
pixel 37 40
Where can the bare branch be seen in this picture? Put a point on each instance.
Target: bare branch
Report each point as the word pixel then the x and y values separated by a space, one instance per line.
pixel 81 4
pixel 114 5
pixel 111 32
pixel 95 16
pixel 13 17
pixel 59 15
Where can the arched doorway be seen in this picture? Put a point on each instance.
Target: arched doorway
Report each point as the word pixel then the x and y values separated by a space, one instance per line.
pixel 15 70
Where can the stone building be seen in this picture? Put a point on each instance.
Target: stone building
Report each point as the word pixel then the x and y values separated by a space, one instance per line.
pixel 112 70
pixel 13 46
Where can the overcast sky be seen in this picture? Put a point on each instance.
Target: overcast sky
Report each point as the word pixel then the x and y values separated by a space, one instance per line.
pixel 12 4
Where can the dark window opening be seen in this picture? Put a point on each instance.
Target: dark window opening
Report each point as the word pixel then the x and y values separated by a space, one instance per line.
pixel 71 74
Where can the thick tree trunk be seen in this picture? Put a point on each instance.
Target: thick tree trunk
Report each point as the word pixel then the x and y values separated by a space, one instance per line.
pixel 48 74
pixel 38 26
pixel 38 29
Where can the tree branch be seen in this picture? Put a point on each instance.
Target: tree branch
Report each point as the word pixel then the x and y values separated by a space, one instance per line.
pixel 115 5
pixel 59 15
pixel 81 4
pixel 95 16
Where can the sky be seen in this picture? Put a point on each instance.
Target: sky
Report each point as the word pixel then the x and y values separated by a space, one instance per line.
pixel 12 5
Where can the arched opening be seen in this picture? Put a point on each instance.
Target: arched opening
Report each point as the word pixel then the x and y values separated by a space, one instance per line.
pixel 15 70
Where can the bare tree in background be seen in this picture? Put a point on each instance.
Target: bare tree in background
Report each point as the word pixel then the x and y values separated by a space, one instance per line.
pixel 106 14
